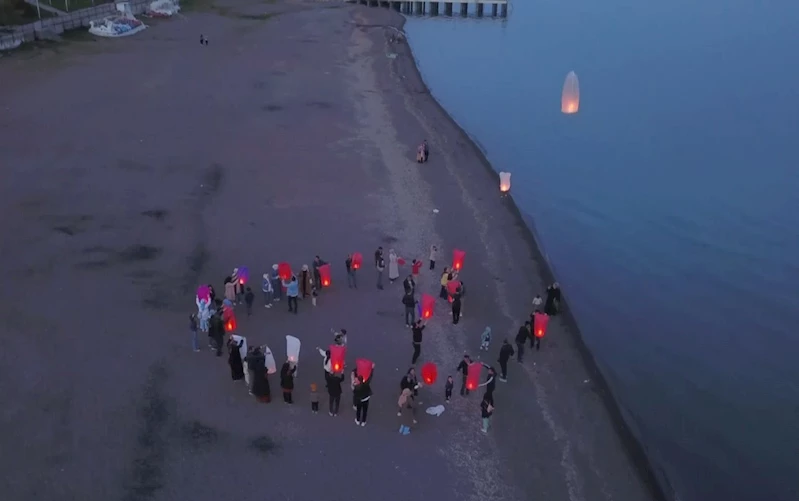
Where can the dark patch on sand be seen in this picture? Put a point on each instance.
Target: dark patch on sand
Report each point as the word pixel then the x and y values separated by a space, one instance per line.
pixel 387 314
pixel 255 17
pixel 195 263
pixel 102 257
pixel 199 435
pixel 213 178
pixel 136 253
pixel 388 239
pixel 264 445
pixel 132 165
pixel 69 225
pixel 260 85
pixel 271 107
pixel 322 105
pixel 157 214
pixel 147 464
pixel 96 264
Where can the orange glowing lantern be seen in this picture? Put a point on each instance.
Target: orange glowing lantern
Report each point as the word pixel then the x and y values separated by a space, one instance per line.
pixel 324 275
pixel 473 375
pixel 337 355
pixel 428 304
pixel 504 182
pixel 284 271
pixel 230 325
pixel 429 373
pixel 457 259
pixel 570 100
pixel 357 259
pixel 364 368
pixel 540 322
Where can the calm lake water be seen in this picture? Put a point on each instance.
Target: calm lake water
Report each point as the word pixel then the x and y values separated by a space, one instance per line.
pixel 668 206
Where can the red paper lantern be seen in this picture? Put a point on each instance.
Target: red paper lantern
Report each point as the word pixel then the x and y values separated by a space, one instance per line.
pixel 357 259
pixel 284 271
pixel 227 313
pixel 400 261
pixel 473 375
pixel 540 322
pixel 452 288
pixel 364 368
pixel 337 356
pixel 428 304
pixel 457 259
pixel 429 373
pixel 230 325
pixel 324 275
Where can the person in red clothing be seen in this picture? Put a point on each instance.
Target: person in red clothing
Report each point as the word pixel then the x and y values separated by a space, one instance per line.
pixel 416 265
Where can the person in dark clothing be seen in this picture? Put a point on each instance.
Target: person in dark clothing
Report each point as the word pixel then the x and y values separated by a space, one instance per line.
pixel 317 278
pixel 486 411
pixel 333 383
pixel 351 278
pixel 552 304
pixel 363 392
pixel 535 342
pixel 410 308
pixel 521 338
pixel 193 326
pixel 450 384
pixel 249 297
pixel 234 360
pixel 287 381
pixel 418 329
pixel 409 284
pixel 505 352
pixel 456 308
pixel 426 150
pixel 256 362
pixel 463 368
pixel 490 383
pixel 211 293
pixel 409 382
pixel 216 331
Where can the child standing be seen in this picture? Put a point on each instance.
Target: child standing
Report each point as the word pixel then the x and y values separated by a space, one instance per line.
pixel 314 399
pixel 485 339
pixel 448 388
pixel 249 297
pixel 537 301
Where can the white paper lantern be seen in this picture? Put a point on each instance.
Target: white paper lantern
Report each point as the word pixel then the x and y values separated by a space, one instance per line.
pixel 504 182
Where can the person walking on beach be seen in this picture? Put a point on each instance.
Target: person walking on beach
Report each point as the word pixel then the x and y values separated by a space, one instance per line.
pixel 505 352
pixel 407 412
pixel 410 308
pixel 463 368
pixel 353 385
pixel 292 291
pixel 448 387
pixel 235 361
pixel 249 298
pixel 433 254
pixel 266 288
pixel 317 277
pixel 287 381
pixel 195 343
pixel 333 383
pixel 521 338
pixel 486 411
pixel 418 329
pixel 351 280
pixel 409 284
pixel 306 282
pixel 456 309
pixel 490 383
pixel 445 278
pixel 363 392
pixel 485 339
pixel 393 266
pixel 380 265
pixel 552 305
pixel 277 283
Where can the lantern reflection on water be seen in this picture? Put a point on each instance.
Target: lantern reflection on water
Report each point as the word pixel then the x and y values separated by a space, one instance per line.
pixel 570 99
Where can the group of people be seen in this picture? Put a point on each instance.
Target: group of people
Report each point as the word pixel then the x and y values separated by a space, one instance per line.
pixel 252 364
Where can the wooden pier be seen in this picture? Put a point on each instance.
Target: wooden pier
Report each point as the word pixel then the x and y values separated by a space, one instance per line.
pixel 499 8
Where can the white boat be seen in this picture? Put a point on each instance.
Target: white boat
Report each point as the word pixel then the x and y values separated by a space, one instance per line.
pixel 163 8
pixel 116 26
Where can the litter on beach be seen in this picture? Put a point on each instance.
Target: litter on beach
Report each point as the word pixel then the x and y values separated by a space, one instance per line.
pixel 435 211
pixel 436 410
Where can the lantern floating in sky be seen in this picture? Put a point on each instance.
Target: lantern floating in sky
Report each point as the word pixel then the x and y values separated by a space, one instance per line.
pixel 570 100
pixel 364 368
pixel 337 355
pixel 457 259
pixel 540 322
pixel 357 259
pixel 244 275
pixel 429 373
pixel 324 275
pixel 284 271
pixel 473 375
pixel 504 182
pixel 428 304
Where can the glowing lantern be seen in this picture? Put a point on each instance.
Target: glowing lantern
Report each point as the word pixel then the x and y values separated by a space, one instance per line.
pixel 230 324
pixel 364 368
pixel 337 355
pixel 504 182
pixel 401 262
pixel 428 303
pixel 540 322
pixel 324 275
pixel 292 349
pixel 227 313
pixel 452 288
pixel 570 100
pixel 457 259
pixel 473 375
pixel 429 373
pixel 357 259
pixel 244 275
pixel 204 293
pixel 284 271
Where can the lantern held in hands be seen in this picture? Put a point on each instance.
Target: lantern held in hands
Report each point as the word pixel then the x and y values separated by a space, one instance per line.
pixel 473 376
pixel 284 271
pixel 570 99
pixel 230 324
pixel 457 259
pixel 293 349
pixel 452 288
pixel 540 322
pixel 324 275
pixel 357 259
pixel 504 182
pixel 428 304
pixel 337 356
pixel 429 373
pixel 244 275
pixel 364 368
pixel 204 293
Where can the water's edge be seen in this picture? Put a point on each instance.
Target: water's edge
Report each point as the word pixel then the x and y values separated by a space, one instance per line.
pixel 653 477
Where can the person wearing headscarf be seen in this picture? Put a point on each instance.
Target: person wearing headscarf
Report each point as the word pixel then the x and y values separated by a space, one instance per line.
pixel 407 411
pixel 552 304
pixel 393 266
pixel 287 381
pixel 234 360
pixel 256 361
pixel 363 393
pixel 445 278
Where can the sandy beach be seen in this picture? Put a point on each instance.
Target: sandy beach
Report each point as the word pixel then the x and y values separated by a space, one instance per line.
pixel 135 169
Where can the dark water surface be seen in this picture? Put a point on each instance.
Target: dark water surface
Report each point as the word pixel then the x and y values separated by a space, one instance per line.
pixel 668 206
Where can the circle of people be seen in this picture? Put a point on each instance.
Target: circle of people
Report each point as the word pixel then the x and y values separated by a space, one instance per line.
pixel 254 364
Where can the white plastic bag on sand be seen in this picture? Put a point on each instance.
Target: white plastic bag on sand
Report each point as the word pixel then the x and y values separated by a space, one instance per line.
pixel 436 410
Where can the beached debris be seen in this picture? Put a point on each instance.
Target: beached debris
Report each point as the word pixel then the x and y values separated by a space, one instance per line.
pixel 163 8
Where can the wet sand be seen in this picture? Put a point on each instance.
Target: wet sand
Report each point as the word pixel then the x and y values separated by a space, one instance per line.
pixel 135 169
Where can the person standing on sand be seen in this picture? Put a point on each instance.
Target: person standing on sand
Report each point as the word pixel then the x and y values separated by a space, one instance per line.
pixel 353 385
pixel 216 331
pixel 277 285
pixel 306 282
pixel 485 339
pixel 433 254
pixel 521 338
pixel 416 267
pixel 317 262
pixel 410 308
pixel 363 393
pixel 463 368
pixel 407 412
pixel 266 288
pixel 249 298
pixel 351 280
pixel 287 381
pixel 333 383
pixel 393 266
pixel 486 411
pixel 234 360
pixel 490 383
pixel 230 289
pixel 256 362
pixel 409 284
pixel 505 352
pixel 456 309
pixel 535 341
pixel 380 265
pixel 444 281
pixel 552 304
pixel 292 291
pixel 195 344
pixel 426 150
pixel 418 330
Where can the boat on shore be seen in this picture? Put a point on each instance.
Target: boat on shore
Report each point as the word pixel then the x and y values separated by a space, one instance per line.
pixel 116 26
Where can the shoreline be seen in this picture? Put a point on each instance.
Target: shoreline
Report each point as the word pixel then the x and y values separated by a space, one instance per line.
pixel 657 483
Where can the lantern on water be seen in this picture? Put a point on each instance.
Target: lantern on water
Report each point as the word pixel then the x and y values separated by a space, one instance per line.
pixel 540 322
pixel 284 271
pixel 337 354
pixel 570 99
pixel 473 375
pixel 428 304
pixel 452 288
pixel 457 259
pixel 324 275
pixel 230 324
pixel 429 373
pixel 357 259
pixel 364 368
pixel 504 182
pixel 244 275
